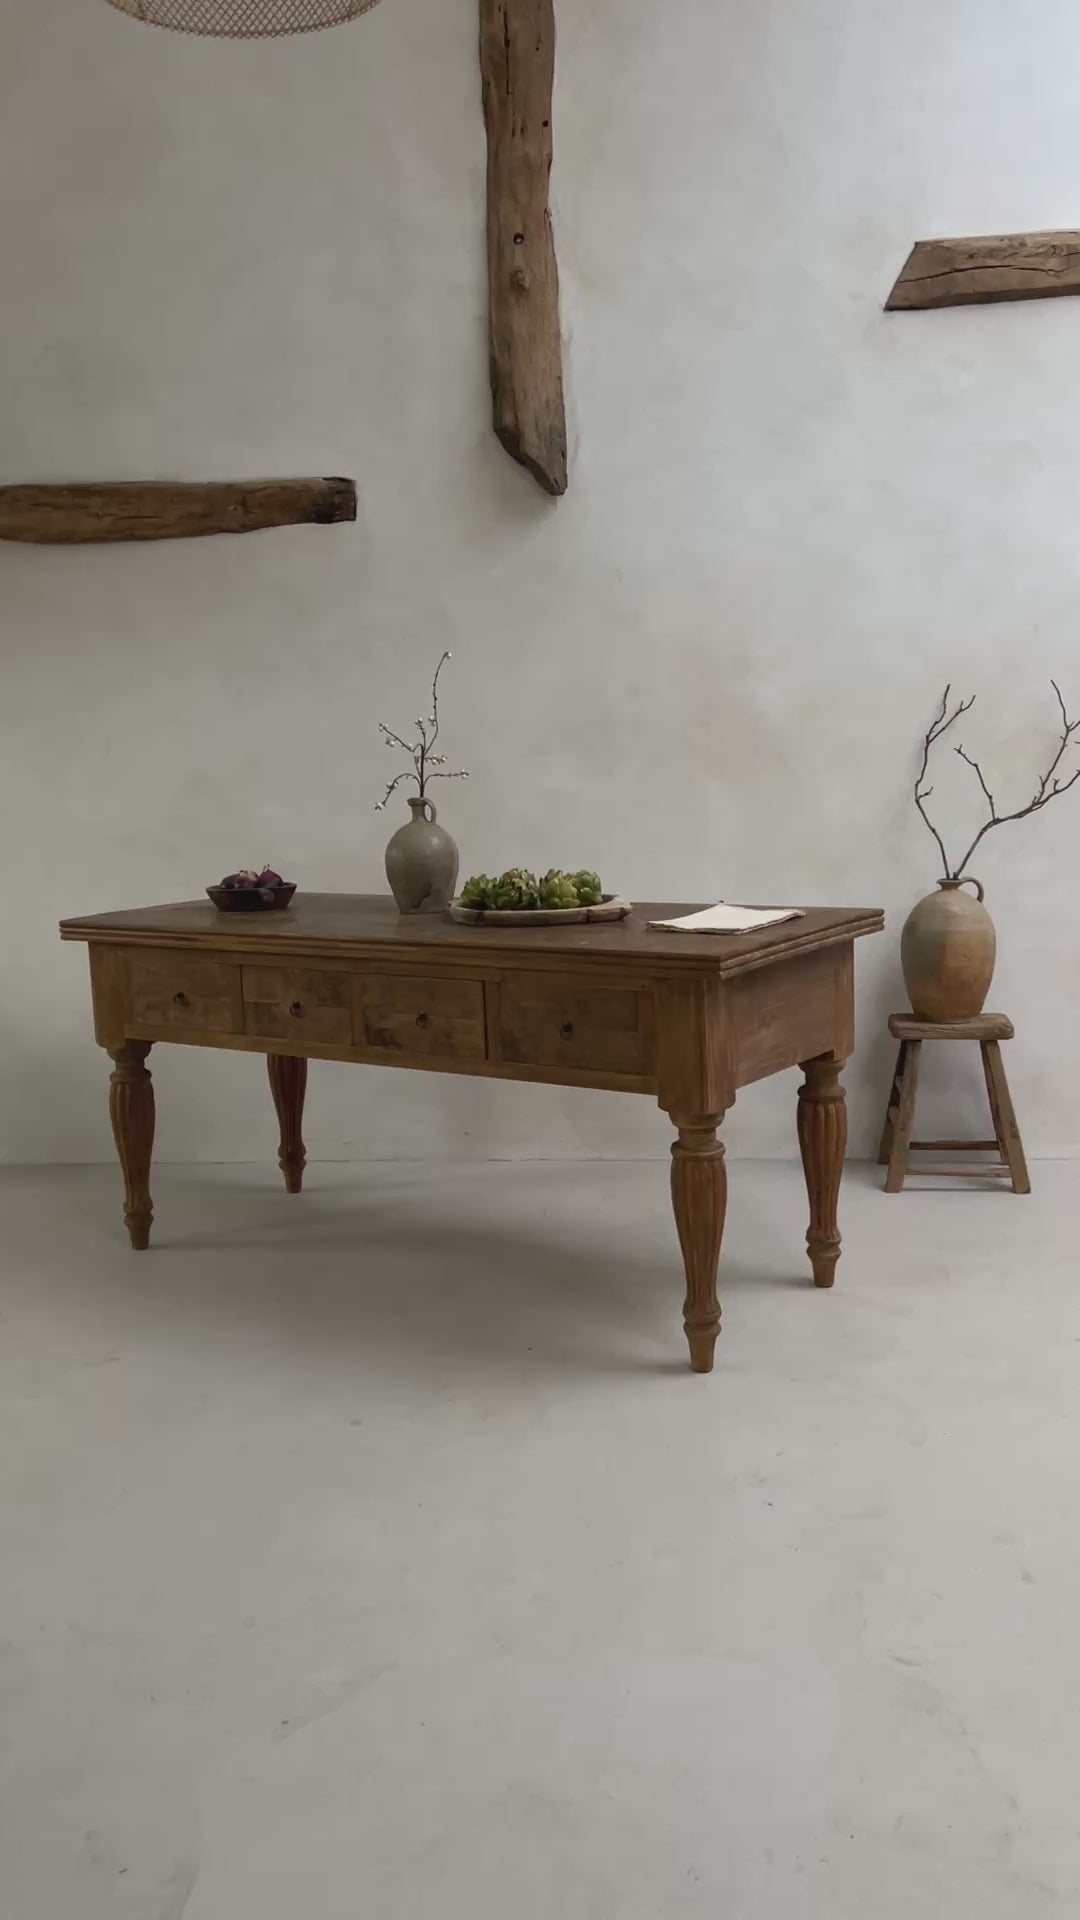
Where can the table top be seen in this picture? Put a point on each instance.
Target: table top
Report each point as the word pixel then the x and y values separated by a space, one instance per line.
pixel 369 926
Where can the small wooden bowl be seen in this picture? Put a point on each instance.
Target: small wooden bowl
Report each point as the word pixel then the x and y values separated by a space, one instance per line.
pixel 252 899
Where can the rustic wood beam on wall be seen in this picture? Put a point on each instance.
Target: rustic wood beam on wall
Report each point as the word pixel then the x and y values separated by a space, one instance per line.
pixel 168 510
pixel 517 62
pixel 976 272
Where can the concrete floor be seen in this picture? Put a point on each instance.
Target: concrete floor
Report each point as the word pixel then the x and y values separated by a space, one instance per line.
pixel 373 1554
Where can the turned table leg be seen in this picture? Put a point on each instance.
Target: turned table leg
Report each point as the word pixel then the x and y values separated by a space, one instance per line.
pixel 288 1084
pixel 699 1197
pixel 822 1142
pixel 131 1110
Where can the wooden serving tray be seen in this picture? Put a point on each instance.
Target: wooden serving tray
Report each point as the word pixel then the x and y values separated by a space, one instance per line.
pixel 610 908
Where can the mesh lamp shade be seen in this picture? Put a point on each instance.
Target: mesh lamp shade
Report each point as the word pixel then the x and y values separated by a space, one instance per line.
pixel 244 19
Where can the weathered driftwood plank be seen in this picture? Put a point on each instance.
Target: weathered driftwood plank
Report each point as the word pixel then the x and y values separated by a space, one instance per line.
pixel 517 61
pixel 166 509
pixel 976 272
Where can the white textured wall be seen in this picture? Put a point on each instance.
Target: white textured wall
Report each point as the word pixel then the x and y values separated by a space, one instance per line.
pixel 790 518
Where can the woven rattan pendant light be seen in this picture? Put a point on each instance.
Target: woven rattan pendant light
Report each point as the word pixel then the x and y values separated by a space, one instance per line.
pixel 244 19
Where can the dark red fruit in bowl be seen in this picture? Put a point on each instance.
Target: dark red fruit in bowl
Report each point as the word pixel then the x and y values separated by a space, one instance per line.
pixel 249 892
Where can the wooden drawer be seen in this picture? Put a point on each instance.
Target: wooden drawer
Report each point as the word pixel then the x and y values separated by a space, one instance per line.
pixel 594 1029
pixel 298 1003
pixel 402 1013
pixel 183 993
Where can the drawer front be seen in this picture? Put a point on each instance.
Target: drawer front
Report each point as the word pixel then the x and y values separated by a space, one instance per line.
pixel 297 1003
pixel 592 1029
pixel 182 993
pixel 399 1013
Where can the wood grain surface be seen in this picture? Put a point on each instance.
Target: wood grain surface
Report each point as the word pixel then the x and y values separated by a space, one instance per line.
pixel 102 511
pixel 370 926
pixel 981 270
pixel 517 63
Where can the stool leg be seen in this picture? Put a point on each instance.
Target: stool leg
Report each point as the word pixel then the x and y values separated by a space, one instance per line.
pixel 1010 1145
pixel 905 1120
pixel 885 1148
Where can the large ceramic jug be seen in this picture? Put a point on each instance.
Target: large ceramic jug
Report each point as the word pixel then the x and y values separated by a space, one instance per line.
pixel 422 862
pixel 947 950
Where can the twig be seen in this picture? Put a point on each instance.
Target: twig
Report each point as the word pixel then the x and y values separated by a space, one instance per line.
pixel 1049 787
pixel 435 697
pixel 395 739
pixel 407 774
pixel 979 771
pixel 941 723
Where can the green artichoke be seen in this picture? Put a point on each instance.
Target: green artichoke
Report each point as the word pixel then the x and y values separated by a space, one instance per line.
pixel 478 893
pixel 557 889
pixel 517 888
pixel 589 890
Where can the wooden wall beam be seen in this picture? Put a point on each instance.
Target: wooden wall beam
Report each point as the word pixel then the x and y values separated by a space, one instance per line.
pixel 1001 266
pixel 167 510
pixel 517 63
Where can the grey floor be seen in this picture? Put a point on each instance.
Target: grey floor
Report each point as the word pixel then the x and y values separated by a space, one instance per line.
pixel 373 1554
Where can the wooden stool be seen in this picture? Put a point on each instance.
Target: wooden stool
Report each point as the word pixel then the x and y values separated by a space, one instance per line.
pixel 896 1141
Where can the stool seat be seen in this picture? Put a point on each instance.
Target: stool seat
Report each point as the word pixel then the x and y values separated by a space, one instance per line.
pixel 897 1144
pixel 985 1026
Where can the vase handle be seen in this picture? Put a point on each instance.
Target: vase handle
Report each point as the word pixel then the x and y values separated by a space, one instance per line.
pixel 428 809
pixel 969 880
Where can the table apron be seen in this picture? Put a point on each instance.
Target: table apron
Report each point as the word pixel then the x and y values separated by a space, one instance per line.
pixel 691 1041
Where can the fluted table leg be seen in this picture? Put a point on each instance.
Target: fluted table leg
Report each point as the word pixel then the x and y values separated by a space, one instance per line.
pixel 131 1110
pixel 288 1084
pixel 823 1141
pixel 699 1198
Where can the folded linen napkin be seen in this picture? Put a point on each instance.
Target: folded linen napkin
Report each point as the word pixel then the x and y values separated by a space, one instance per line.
pixel 725 919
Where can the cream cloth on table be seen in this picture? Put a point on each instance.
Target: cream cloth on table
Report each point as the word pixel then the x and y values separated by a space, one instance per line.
pixel 725 919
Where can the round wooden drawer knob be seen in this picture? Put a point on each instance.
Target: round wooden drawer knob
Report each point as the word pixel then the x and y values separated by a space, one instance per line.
pixel 296 1009
pixel 566 1031
pixel 421 1019
pixel 180 999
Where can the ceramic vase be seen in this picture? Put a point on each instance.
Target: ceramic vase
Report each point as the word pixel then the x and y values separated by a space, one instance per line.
pixel 947 950
pixel 422 862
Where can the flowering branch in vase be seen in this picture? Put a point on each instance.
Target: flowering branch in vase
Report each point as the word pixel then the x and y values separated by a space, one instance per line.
pixel 427 765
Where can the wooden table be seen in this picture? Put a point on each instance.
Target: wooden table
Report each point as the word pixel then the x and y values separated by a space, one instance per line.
pixel 687 1018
